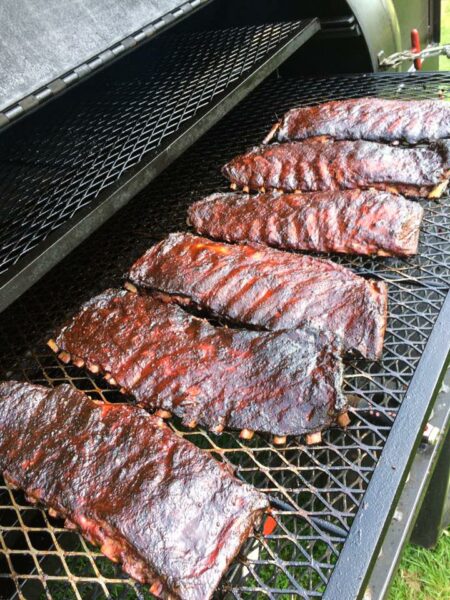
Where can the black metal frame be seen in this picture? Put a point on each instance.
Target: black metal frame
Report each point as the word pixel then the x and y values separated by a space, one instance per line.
pixel 58 244
pixel 419 516
pixel 434 514
pixel 353 569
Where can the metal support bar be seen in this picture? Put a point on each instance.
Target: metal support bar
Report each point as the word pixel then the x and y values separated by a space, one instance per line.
pixel 366 535
pixel 424 470
pixel 434 515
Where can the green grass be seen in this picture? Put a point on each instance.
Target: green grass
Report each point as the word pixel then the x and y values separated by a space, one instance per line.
pixel 424 574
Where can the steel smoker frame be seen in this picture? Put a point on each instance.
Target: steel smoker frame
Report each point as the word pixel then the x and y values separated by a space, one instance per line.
pixel 70 165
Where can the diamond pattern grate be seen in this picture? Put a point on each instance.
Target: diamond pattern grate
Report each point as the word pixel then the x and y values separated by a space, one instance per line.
pixel 60 165
pixel 39 559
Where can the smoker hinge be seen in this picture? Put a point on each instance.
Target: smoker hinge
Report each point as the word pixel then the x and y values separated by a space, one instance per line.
pixel 394 60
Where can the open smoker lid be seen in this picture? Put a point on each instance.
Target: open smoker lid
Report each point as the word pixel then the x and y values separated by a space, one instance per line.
pixel 46 45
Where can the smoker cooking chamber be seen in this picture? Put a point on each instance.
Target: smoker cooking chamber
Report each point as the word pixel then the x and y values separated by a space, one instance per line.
pixel 38 558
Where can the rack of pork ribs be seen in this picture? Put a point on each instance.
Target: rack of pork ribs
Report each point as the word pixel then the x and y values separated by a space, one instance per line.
pixel 120 476
pixel 326 164
pixel 346 221
pixel 374 119
pixel 266 288
pixel 335 146
pixel 277 382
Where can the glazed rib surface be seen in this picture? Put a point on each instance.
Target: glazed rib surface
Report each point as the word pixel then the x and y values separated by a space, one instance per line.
pixel 348 221
pixel 275 290
pixel 373 119
pixel 281 383
pixel 122 476
pixel 312 166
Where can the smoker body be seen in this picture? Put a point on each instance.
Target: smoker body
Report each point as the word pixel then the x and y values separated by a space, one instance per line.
pixel 137 121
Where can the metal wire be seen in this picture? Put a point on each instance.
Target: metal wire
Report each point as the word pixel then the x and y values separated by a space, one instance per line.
pixel 38 558
pixel 59 163
pixel 396 59
pixel 68 78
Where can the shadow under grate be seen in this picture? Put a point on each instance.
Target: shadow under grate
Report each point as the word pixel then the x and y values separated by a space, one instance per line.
pixel 39 558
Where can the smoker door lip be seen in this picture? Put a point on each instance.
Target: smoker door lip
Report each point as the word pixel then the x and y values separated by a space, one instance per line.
pixel 374 516
pixel 18 104
pixel 35 263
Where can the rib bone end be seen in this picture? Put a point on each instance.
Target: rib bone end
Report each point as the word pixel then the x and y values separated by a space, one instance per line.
pixel 269 137
pixel 164 414
pixel 130 287
pixel 343 420
pixel 64 357
pixel 437 192
pixel 246 434
pixel 279 440
pixel 313 438
pixel 53 345
pixel 156 588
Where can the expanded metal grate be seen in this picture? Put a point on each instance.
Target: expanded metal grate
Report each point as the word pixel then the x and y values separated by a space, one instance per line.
pixel 30 97
pixel 129 114
pixel 40 559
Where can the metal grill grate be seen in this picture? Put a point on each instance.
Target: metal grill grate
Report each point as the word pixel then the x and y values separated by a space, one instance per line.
pixel 126 116
pixel 40 559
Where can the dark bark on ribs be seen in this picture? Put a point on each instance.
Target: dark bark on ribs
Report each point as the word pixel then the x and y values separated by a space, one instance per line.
pixel 373 119
pixel 260 286
pixel 312 166
pixel 281 383
pixel 350 221
pixel 150 499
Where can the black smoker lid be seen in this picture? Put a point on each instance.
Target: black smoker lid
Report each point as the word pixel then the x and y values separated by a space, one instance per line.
pixel 47 45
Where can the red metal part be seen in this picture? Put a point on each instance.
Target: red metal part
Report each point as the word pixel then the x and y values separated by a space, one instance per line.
pixel 269 525
pixel 415 47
